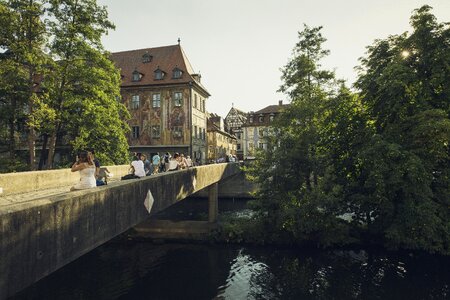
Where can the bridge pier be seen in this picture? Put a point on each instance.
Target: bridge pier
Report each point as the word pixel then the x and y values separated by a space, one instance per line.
pixel 213 202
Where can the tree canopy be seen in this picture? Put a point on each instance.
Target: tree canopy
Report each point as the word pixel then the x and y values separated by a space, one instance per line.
pixel 370 165
pixel 57 80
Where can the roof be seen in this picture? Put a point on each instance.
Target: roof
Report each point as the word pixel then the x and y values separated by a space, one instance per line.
pixel 236 112
pixel 271 109
pixel 166 59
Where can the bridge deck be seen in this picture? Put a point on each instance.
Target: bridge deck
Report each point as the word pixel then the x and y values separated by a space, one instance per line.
pixel 17 198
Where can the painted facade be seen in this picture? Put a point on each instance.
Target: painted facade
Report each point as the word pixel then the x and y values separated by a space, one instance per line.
pixel 166 100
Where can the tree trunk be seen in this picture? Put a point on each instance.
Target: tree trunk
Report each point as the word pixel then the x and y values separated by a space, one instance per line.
pixel 12 131
pixel 44 153
pixel 51 149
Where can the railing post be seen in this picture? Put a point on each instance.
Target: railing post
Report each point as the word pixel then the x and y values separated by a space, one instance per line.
pixel 213 208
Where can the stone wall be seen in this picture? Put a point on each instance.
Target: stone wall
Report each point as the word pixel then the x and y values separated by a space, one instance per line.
pixel 23 182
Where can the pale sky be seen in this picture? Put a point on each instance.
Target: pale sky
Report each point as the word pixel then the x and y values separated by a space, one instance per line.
pixel 239 46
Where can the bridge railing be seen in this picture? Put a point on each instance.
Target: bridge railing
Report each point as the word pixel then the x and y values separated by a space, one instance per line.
pixel 23 182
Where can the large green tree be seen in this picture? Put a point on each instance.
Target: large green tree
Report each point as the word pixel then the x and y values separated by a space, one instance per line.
pixel 405 166
pixel 86 85
pixel 290 173
pixel 58 80
pixel 372 166
pixel 23 65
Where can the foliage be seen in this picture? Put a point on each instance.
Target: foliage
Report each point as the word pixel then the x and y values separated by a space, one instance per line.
pixel 67 85
pixel 371 166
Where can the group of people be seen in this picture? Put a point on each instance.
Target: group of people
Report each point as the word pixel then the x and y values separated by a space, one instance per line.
pixel 91 175
pixel 141 166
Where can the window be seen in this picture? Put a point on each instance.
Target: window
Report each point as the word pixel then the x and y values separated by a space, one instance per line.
pixel 135 102
pixel 177 132
pixel 238 146
pixel 250 119
pixel 177 98
pixel 238 135
pixel 204 134
pixel 176 73
pixel 261 146
pixel 195 132
pixel 159 74
pixel 156 100
pixel 261 119
pixel 136 76
pixel 146 58
pixel 156 131
pixel 135 132
pixel 271 118
pixel 195 100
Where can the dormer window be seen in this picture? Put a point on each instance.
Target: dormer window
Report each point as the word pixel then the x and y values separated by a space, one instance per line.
pixel 146 58
pixel 271 117
pixel 177 73
pixel 261 118
pixel 136 76
pixel 159 74
pixel 250 119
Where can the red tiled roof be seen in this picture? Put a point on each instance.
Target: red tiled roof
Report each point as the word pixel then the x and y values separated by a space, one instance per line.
pixel 166 58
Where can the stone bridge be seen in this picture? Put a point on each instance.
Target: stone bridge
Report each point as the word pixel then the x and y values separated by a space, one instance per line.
pixel 45 231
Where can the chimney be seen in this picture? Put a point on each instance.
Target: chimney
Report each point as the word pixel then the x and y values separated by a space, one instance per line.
pixel 280 102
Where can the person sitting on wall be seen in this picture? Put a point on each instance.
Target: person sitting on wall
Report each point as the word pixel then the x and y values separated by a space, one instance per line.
pixel 85 165
pixel 137 167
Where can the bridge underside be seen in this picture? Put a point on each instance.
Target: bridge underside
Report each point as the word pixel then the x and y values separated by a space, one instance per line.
pixel 42 235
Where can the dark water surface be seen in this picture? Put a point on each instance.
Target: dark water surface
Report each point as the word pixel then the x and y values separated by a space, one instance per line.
pixel 140 270
pixel 143 270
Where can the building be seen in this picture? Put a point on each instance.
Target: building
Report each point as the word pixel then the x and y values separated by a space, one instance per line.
pixel 233 124
pixel 166 100
pixel 220 142
pixel 256 128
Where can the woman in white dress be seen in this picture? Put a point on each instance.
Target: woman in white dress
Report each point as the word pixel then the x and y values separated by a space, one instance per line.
pixel 86 167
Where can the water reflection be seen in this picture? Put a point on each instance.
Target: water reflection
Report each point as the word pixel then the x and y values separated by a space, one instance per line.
pixel 181 271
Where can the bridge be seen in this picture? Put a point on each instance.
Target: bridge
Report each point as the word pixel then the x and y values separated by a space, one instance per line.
pixel 46 226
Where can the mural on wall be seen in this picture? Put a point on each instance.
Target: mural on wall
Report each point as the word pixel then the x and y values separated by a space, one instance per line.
pixel 177 117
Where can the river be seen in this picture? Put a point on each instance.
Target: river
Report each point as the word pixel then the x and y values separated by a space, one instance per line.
pixel 123 269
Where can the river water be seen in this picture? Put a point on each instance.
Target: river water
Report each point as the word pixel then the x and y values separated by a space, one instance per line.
pixel 144 270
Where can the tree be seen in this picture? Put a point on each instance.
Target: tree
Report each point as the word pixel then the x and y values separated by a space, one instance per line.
pixel 24 63
pixel 290 173
pixel 373 166
pixel 405 165
pixel 86 85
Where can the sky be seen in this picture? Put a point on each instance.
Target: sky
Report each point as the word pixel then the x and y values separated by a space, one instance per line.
pixel 239 46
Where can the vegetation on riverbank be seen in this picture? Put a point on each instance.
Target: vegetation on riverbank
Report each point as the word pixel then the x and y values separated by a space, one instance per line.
pixel 370 165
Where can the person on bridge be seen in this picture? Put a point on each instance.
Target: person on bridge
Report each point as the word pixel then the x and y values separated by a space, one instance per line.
pixel 156 159
pixel 137 169
pixel 85 165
